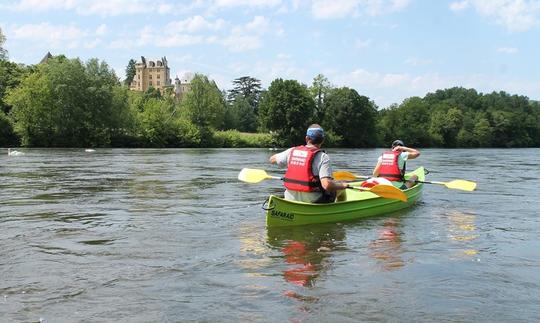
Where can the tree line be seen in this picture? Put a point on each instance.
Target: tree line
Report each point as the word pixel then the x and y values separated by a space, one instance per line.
pixel 69 103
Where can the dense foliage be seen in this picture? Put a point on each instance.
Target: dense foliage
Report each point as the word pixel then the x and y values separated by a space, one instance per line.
pixel 68 103
pixel 459 117
pixel 130 72
pixel 287 110
pixel 351 116
pixel 3 51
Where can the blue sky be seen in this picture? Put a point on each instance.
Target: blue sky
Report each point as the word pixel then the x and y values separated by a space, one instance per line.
pixel 387 50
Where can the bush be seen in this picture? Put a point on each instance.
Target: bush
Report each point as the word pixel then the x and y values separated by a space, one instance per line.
pixel 236 139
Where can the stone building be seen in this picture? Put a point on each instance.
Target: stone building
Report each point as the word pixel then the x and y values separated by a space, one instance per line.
pixel 182 85
pixel 149 73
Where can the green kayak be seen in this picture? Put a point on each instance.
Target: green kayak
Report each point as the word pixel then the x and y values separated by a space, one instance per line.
pixel 355 204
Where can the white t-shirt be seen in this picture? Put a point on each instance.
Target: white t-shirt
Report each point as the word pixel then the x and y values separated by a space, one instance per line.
pixel 320 166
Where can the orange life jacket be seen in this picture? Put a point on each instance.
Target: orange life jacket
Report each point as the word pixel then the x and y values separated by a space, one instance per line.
pixel 299 175
pixel 390 167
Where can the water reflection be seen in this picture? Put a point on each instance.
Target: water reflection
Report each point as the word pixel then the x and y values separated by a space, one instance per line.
pixel 306 251
pixel 462 230
pixel 387 248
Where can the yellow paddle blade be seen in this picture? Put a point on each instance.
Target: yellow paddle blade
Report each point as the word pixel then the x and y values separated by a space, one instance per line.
pixel 460 184
pixel 342 175
pixel 250 175
pixel 386 191
pixel 389 192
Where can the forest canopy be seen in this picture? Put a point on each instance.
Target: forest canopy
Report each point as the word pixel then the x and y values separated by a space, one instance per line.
pixel 69 103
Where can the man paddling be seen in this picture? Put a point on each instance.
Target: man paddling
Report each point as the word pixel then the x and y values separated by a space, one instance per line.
pixel 309 174
pixel 391 164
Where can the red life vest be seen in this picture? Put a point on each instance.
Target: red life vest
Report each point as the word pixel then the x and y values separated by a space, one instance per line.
pixel 389 166
pixel 299 175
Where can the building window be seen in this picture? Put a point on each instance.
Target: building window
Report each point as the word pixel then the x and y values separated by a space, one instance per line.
pixel 150 76
pixel 158 83
pixel 158 76
pixel 150 83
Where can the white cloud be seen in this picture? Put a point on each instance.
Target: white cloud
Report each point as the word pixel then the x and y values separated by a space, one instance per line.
pixel 198 30
pixel 382 7
pixel 330 9
pixel 113 7
pixel 44 5
pixel 102 8
pixel 514 15
pixel 333 9
pixel 362 43
pixel 248 36
pixel 92 44
pixel 507 50
pixel 415 61
pixel 259 24
pixel 194 24
pixel 388 88
pixel 459 5
pixel 248 3
pixel 46 33
pixel 101 30
pixel 240 43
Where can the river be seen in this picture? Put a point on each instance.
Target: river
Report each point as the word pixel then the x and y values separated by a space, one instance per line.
pixel 161 235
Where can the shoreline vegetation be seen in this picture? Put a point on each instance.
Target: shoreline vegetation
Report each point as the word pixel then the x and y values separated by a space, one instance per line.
pixel 69 103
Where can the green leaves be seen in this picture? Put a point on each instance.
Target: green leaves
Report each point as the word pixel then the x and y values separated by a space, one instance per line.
pixel 66 103
pixel 352 117
pixel 287 109
pixel 459 117
pixel 204 106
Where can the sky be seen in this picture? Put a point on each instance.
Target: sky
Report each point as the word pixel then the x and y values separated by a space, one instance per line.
pixel 387 50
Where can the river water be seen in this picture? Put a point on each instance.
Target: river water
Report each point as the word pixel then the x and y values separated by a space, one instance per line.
pixel 164 235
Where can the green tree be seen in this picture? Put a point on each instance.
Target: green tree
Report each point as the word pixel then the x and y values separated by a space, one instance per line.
pixel 482 133
pixel 249 88
pixel 3 51
pixel 204 106
pixel 151 93
pixel 11 75
pixel 352 117
pixel 408 122
pixel 7 135
pixel 287 110
pixel 319 90
pixel 65 103
pixel 156 129
pixel 240 116
pixel 130 72
pixel 445 125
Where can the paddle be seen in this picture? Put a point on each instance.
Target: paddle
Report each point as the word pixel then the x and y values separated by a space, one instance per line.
pixel 250 175
pixel 457 184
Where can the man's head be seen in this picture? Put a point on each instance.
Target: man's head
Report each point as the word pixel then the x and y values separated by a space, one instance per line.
pixel 315 134
pixel 398 143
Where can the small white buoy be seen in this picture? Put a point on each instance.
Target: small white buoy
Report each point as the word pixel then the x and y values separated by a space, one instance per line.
pixel 89 150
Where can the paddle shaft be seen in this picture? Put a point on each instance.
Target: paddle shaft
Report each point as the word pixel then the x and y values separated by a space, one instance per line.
pixel 455 184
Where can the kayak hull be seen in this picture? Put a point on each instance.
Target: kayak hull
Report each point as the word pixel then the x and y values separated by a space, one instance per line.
pixel 353 204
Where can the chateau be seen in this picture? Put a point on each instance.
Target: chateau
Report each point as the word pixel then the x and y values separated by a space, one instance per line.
pixel 156 74
pixel 148 74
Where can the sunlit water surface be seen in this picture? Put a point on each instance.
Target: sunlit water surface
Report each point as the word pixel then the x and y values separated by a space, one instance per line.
pixel 172 235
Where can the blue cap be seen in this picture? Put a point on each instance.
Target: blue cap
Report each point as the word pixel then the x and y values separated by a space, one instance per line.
pixel 315 133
